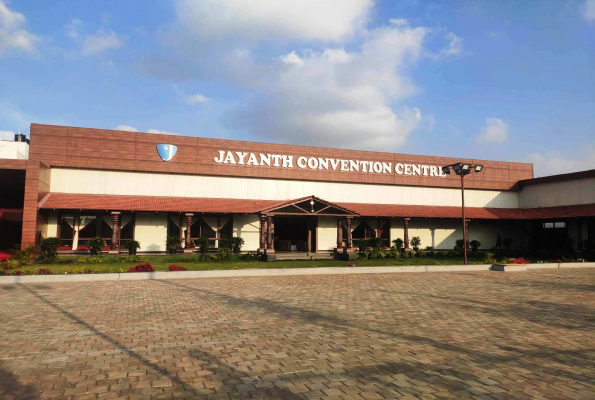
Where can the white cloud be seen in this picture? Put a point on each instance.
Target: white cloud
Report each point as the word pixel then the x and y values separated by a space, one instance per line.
pixel 190 99
pixel 292 58
pixel 495 131
pixel 454 47
pixel 72 29
pixel 399 22
pixel 101 41
pixel 161 132
pixel 327 20
pixel 553 163
pixel 126 128
pixel 589 10
pixel 12 33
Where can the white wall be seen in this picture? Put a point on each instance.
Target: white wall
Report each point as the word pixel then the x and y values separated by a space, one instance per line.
pixel 151 231
pixel 248 228
pixel 326 233
pixel 577 191
pixel 152 184
pixel 52 226
pixel 14 150
pixel 442 234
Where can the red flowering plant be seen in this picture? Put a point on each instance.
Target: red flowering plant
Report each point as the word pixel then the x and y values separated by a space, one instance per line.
pixel 44 271
pixel 521 260
pixel 558 261
pixel 141 268
pixel 175 267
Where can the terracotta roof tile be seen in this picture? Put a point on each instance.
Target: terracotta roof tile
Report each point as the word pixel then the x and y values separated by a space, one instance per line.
pixel 241 206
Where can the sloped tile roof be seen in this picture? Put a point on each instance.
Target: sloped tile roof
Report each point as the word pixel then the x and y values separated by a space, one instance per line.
pixel 70 201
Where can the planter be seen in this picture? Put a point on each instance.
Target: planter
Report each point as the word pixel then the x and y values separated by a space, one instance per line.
pixel 131 252
pixel 173 251
pixel 203 250
pixel 509 267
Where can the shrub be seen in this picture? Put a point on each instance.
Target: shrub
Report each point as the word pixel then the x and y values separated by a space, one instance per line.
pixel 415 242
pixel 521 260
pixel 452 253
pixel 420 253
pixel 224 253
pixel 175 267
pixel 44 271
pixel 25 256
pixel 459 244
pixel 375 242
pixel 250 256
pixel 67 261
pixel 132 245
pixel 429 248
pixel 361 244
pixel 141 268
pixel 17 272
pixel 507 242
pixel 95 245
pixel 398 243
pixel 475 244
pixel 173 242
pixel 238 242
pixel 203 243
pixel 489 258
pixel 226 243
pixel 49 250
pixel 442 254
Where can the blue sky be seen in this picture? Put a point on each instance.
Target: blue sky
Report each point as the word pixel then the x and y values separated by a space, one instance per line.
pixel 500 80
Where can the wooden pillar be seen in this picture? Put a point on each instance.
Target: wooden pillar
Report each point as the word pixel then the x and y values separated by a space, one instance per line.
pixel 406 233
pixel 262 233
pixel 309 227
pixel 270 245
pixel 349 244
pixel 115 226
pixel 188 247
pixel 339 233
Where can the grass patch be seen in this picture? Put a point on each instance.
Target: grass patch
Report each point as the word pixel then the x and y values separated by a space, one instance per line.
pixel 109 264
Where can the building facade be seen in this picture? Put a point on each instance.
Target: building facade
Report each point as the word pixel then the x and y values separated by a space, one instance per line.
pixel 79 183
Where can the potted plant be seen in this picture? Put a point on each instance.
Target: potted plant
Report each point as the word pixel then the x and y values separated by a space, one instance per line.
pixel 203 243
pixel 132 245
pixel 238 242
pixel 173 243
pixel 415 242
pixel 398 243
pixel 375 243
pixel 361 245
pixel 475 244
pixel 95 245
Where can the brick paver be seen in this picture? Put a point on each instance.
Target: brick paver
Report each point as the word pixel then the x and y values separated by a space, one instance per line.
pixel 477 335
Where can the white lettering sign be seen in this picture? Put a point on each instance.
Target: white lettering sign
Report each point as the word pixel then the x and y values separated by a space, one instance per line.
pixel 329 164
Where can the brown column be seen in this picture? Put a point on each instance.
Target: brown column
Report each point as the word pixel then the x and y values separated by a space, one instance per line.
pixel 189 243
pixel 349 244
pixel 269 232
pixel 115 226
pixel 339 233
pixel 309 227
pixel 262 233
pixel 406 233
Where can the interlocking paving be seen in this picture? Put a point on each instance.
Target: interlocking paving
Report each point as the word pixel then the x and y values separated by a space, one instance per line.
pixel 480 335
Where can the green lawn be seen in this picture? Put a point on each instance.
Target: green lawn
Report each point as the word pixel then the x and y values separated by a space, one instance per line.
pixel 192 263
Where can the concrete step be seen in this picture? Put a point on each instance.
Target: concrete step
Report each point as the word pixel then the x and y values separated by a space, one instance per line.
pixel 305 256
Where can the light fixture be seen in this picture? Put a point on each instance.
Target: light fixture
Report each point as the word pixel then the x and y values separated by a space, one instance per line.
pixel 478 168
pixel 446 170
pixel 466 168
pixel 312 205
pixel 457 167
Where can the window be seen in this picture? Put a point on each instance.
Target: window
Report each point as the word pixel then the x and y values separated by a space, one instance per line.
pixel 554 225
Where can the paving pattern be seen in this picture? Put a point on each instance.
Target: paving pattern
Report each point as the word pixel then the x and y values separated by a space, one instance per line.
pixel 479 335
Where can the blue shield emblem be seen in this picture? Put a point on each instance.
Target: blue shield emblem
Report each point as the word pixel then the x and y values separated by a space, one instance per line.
pixel 166 151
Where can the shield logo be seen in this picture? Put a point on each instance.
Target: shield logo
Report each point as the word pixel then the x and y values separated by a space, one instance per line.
pixel 166 151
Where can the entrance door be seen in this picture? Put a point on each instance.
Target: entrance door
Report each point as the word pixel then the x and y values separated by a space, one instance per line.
pixel 292 233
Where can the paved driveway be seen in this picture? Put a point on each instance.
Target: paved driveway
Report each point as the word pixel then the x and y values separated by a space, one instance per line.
pixel 483 335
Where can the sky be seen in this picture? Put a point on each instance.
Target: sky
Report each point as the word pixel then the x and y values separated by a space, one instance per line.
pixel 497 80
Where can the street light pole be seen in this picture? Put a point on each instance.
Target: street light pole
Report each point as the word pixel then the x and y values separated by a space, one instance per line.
pixel 464 224
pixel 463 169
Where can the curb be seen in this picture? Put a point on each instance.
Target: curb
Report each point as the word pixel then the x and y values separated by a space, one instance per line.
pixel 162 275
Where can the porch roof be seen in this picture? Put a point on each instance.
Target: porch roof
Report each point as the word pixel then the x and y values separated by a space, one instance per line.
pixel 71 201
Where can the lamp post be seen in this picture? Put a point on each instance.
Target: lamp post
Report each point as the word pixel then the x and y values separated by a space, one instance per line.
pixel 463 169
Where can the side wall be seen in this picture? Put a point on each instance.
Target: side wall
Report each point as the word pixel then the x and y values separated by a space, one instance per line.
pixel 155 184
pixel 568 193
pixel 442 234
pixel 248 228
pixel 151 231
pixel 326 233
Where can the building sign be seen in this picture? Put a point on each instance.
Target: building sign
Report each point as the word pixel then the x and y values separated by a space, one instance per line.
pixel 329 164
pixel 166 151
